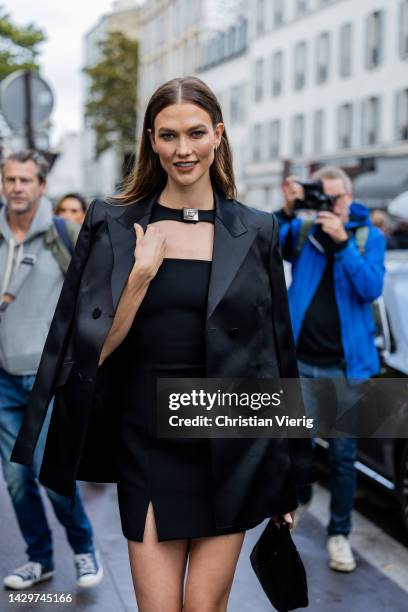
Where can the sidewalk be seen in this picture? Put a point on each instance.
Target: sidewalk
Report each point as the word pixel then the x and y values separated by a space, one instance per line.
pixel 369 588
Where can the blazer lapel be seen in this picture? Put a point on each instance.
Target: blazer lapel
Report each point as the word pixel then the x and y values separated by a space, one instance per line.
pixel 123 240
pixel 232 241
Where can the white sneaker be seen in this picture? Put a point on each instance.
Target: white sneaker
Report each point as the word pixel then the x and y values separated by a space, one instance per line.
pixel 299 512
pixel 88 568
pixel 340 553
pixel 25 576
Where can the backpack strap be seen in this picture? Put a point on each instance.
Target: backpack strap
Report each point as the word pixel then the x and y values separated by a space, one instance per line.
pixel 61 228
pixel 60 238
pixel 302 236
pixel 361 236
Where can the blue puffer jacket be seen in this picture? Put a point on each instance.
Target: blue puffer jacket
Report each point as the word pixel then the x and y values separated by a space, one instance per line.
pixel 358 280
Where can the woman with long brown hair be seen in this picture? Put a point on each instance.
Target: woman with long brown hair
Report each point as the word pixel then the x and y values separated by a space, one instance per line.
pixel 72 206
pixel 202 294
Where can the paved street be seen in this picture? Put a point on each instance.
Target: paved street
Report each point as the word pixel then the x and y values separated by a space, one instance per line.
pixel 379 585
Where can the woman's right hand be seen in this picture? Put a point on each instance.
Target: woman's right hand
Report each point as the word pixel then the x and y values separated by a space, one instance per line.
pixel 149 251
pixel 287 518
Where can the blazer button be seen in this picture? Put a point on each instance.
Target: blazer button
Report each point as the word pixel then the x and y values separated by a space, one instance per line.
pixel 96 313
pixel 80 376
pixel 233 332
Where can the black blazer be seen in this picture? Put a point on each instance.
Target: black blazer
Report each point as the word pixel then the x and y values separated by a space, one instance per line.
pixel 253 478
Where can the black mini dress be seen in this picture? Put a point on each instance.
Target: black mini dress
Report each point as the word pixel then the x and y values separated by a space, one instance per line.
pixel 166 339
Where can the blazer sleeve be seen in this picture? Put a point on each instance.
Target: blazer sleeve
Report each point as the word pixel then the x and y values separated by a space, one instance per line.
pixel 300 449
pixel 54 348
pixel 285 344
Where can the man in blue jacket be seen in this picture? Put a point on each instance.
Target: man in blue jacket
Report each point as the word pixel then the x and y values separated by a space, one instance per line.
pixel 337 272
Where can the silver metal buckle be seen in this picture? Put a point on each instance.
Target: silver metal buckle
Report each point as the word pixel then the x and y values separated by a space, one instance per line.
pixel 190 214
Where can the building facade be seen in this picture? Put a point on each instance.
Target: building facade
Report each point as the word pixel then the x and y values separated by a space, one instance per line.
pixel 225 68
pixel 66 173
pixel 329 84
pixel 302 83
pixel 100 176
pixel 174 35
pixel 170 43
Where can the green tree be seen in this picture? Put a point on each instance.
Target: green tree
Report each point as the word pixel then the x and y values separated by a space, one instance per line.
pixel 18 46
pixel 111 103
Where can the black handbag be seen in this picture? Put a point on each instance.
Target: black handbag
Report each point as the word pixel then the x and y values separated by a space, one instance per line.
pixel 279 568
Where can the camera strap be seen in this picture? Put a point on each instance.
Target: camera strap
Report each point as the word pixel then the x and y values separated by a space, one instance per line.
pixel 304 231
pixel 360 234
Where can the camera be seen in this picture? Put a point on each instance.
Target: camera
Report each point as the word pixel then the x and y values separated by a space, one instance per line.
pixel 314 198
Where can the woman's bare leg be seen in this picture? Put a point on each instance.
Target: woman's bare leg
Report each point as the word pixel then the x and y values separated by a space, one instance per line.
pixel 158 570
pixel 211 569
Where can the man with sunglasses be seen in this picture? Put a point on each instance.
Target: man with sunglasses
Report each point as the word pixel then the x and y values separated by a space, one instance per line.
pixel 337 272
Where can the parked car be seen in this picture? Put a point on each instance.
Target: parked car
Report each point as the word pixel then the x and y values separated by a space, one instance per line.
pixel 385 460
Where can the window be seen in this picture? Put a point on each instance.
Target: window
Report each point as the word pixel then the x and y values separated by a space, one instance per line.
pixel 345 126
pixel 259 79
pixel 322 57
pixel 242 35
pixel 371 121
pixel 231 41
pixel 301 7
pixel 403 37
pixel 260 16
pixel 257 142
pixel 374 39
pixel 318 130
pixel 300 64
pixel 219 47
pixel 346 49
pixel 278 12
pixel 401 115
pixel 298 134
pixel 274 138
pixel 277 73
pixel 237 104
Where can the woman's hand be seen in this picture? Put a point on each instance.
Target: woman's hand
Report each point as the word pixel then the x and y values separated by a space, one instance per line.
pixel 284 518
pixel 149 251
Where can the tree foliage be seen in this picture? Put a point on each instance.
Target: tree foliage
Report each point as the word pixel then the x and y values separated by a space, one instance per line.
pixel 111 103
pixel 18 46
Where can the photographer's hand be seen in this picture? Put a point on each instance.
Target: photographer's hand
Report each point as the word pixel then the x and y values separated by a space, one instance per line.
pixel 292 191
pixel 332 225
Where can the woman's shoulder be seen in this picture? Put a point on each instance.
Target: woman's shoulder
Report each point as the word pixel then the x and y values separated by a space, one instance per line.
pixel 99 207
pixel 254 215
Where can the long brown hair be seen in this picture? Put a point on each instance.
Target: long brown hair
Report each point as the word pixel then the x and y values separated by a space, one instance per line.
pixel 147 176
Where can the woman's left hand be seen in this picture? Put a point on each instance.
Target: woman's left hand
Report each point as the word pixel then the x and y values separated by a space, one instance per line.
pixel 284 518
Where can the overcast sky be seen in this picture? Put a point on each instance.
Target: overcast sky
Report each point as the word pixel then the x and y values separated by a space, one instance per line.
pixel 64 22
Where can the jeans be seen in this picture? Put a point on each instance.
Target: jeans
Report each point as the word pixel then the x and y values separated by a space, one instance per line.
pixel 22 482
pixel 342 452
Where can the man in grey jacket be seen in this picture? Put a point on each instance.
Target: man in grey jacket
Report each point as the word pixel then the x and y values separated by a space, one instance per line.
pixel 32 264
